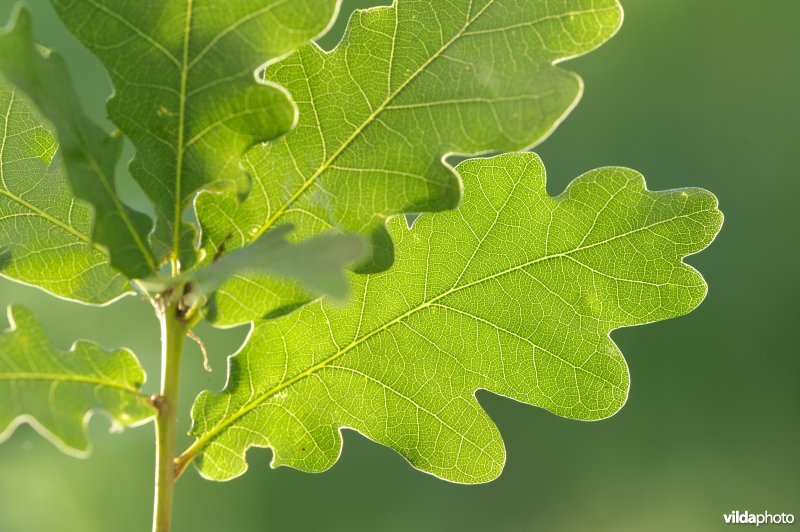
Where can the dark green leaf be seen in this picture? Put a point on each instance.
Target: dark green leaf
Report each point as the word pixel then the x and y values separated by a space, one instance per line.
pixel 185 90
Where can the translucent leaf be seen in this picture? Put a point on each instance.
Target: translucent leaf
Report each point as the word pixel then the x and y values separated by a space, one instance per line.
pixel 516 293
pixel 409 85
pixel 185 91
pixel 57 392
pixel 45 231
pixel 89 153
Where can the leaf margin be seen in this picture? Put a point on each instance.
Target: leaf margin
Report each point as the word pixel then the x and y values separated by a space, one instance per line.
pixel 198 447
pixel 380 237
pixel 27 419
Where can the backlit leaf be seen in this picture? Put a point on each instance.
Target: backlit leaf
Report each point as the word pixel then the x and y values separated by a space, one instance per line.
pixel 45 232
pixel 515 292
pixel 185 89
pixel 409 85
pixel 89 153
pixel 57 392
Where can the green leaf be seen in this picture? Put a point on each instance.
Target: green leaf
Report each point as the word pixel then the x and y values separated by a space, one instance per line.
pixel 409 85
pixel 45 231
pixel 515 293
pixel 90 155
pixel 185 91
pixel 318 263
pixel 57 392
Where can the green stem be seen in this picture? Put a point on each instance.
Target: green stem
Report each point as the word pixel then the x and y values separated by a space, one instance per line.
pixel 173 333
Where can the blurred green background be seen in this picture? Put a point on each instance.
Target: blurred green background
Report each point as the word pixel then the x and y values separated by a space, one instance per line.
pixel 691 93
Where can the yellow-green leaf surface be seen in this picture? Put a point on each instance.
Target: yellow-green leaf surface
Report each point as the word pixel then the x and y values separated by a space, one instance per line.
pixel 90 155
pixel 185 89
pixel 516 293
pixel 45 231
pixel 57 392
pixel 409 85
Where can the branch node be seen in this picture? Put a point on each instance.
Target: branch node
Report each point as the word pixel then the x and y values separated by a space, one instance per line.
pixel 157 400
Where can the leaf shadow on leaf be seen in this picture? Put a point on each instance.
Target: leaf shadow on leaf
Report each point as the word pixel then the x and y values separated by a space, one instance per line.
pixel 5 257
pixel 212 309
pixel 539 259
pixel 382 252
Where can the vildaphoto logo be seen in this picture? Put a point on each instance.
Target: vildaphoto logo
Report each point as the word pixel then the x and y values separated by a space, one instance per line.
pixel 764 518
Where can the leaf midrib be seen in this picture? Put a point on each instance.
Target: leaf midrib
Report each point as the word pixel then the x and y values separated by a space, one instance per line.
pixel 369 120
pixel 118 206
pixel 184 70
pixel 184 67
pixel 252 404
pixel 78 379
pixel 385 105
